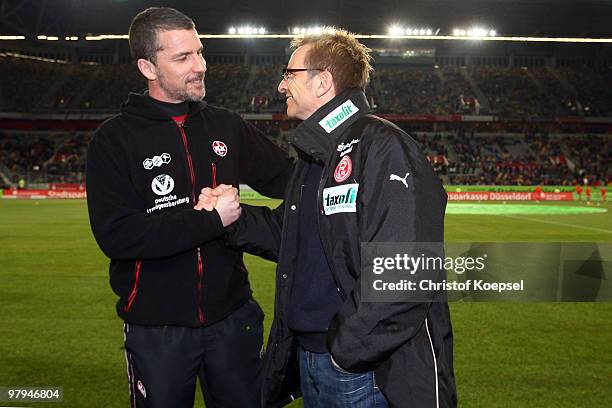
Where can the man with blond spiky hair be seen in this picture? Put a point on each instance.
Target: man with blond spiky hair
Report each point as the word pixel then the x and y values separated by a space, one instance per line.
pixel 359 180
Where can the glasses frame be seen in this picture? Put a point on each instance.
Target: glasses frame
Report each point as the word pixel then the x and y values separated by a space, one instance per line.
pixel 291 71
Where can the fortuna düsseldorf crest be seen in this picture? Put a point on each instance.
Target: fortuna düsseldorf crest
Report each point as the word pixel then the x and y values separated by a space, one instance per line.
pixel 220 148
pixel 343 169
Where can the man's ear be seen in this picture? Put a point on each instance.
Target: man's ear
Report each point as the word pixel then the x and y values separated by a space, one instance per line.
pixel 147 69
pixel 326 84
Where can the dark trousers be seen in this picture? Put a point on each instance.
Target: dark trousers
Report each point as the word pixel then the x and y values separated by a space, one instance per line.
pixel 164 361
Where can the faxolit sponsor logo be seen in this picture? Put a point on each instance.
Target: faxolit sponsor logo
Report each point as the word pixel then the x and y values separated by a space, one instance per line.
pixel 338 116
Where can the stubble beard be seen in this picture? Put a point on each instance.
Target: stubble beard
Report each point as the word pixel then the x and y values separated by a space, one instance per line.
pixel 184 94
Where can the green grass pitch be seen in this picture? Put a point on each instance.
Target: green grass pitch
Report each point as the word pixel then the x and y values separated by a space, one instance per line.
pixel 58 326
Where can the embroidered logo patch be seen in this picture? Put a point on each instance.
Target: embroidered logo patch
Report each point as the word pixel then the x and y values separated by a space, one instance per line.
pixel 343 169
pixel 346 148
pixel 156 161
pixel 141 388
pixel 340 199
pixel 398 178
pixel 220 148
pixel 162 184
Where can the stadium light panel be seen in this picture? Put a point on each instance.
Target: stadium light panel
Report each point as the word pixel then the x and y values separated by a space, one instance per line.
pixel 458 34
pixel 106 37
pixel 242 31
pixel 473 32
pixel 11 37
pixel 312 30
pixel 395 30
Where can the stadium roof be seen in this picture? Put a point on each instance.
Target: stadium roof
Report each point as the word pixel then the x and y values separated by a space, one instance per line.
pixel 584 18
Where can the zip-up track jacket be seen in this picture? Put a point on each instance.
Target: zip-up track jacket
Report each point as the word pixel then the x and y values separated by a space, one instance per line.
pixel 169 264
pixel 377 187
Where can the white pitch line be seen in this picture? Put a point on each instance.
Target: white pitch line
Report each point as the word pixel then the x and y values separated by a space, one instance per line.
pixel 556 223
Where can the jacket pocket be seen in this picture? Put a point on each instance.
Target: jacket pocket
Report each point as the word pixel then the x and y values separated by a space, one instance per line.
pixel 339 369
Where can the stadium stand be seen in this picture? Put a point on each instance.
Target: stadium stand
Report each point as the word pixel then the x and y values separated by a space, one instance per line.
pixel 458 157
pixel 525 145
pixel 508 92
pixel 41 157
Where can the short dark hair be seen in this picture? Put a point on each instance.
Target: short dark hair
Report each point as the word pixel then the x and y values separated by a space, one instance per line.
pixel 148 23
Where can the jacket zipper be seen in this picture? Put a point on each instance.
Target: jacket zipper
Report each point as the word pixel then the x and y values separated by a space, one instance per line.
pixel 330 263
pixel 181 126
pixel 132 297
pixel 214 174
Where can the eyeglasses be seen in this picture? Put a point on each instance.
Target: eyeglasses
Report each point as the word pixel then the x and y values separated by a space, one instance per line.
pixel 289 72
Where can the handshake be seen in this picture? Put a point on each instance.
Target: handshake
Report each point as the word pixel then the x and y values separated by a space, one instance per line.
pixel 223 198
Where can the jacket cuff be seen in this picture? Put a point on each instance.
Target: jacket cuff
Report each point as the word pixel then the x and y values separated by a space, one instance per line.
pixel 207 224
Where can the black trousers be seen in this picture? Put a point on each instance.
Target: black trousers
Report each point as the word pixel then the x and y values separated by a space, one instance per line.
pixel 164 361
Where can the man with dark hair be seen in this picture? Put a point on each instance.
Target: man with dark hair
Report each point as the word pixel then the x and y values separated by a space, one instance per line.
pixel 360 180
pixel 183 294
pixel 143 40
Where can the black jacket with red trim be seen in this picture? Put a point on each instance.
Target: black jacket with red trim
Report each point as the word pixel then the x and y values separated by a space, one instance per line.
pixel 377 187
pixel 169 264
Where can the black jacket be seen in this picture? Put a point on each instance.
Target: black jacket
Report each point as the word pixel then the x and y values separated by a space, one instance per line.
pixel 408 345
pixel 169 264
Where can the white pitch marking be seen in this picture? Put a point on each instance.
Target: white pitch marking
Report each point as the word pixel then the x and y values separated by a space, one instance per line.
pixel 556 223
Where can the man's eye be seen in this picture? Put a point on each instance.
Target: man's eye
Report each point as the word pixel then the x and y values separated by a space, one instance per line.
pixel 183 58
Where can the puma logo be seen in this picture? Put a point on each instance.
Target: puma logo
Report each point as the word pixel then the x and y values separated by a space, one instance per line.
pixel 398 178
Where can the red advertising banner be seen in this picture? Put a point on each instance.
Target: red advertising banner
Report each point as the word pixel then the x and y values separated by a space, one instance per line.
pixel 565 196
pixel 44 194
pixel 508 196
pixel 69 187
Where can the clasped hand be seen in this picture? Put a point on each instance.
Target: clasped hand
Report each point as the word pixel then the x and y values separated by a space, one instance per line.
pixel 223 198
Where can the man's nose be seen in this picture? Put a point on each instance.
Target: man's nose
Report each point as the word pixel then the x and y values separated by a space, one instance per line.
pixel 282 86
pixel 200 65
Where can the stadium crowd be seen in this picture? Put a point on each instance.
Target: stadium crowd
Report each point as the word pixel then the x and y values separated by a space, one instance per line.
pixel 43 158
pixel 458 157
pixel 508 92
pixel 513 155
